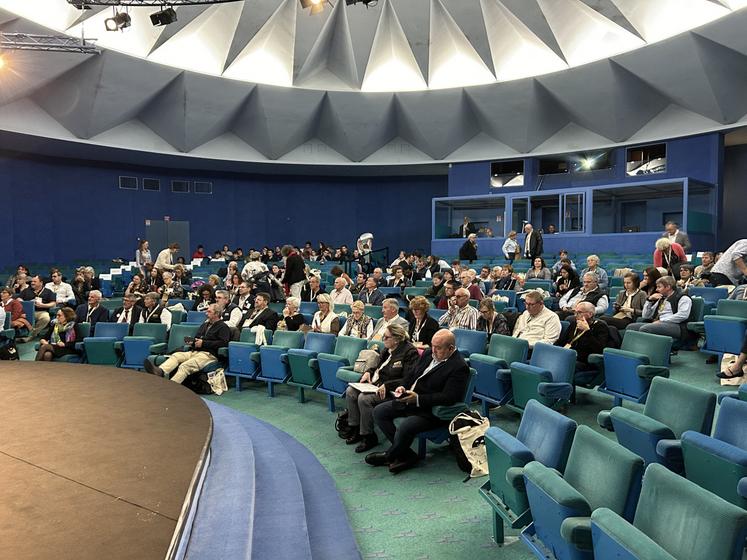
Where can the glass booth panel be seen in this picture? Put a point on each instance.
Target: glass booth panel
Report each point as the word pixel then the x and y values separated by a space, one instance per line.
pixel 520 214
pixel 545 212
pixel 485 214
pixel 640 208
pixel 701 209
pixel 573 212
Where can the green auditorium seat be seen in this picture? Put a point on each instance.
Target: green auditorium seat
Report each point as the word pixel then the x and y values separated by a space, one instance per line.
pixel 176 343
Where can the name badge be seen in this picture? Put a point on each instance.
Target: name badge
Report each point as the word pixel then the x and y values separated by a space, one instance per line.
pixel 397 364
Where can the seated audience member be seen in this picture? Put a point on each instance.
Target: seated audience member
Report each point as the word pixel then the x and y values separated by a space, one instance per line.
pixel 738 367
pixel 136 287
pixel 589 291
pixel 233 285
pixel 359 285
pixel 12 281
pixel 402 257
pixel 566 281
pixel 668 309
pixel 79 287
pixel 467 283
pixel 703 270
pixel 484 275
pixel 231 269
pixel 358 324
pixel 537 323
pixel 170 289
pixel 592 265
pixel 312 289
pixel 154 280
pixel 422 326
pixel 91 281
pixel 390 316
pixel 325 320
pixel 468 251
pixel 338 272
pixel 21 282
pixel 460 314
pixel 562 255
pixel 294 275
pixel 422 268
pixel 450 289
pixel 340 294
pixel 440 377
pixel 398 358
pixel 508 279
pixel 436 289
pixel 511 248
pixel 62 290
pixel 648 282
pixel 261 314
pixel 230 313
pixel 13 307
pixel 495 274
pixel 182 276
pixel 448 275
pixel 585 334
pixel 371 295
pixel 398 279
pixel 669 256
pixel 687 278
pixel 44 300
pixel 214 282
pixel 244 299
pixel 291 317
pixel 539 270
pixel 154 312
pixel 63 338
pixel 205 296
pixel 490 320
pixel 199 253
pixel 629 303
pixel 730 269
pixel 378 275
pixel 128 313
pixel 166 259
pixel 254 266
pixel 212 335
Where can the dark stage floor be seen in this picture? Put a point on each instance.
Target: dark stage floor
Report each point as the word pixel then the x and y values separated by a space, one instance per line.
pixel 95 462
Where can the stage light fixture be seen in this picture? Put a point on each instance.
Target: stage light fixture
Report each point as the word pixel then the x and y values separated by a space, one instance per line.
pixel 2 61
pixel 119 21
pixel 164 17
pixel 315 6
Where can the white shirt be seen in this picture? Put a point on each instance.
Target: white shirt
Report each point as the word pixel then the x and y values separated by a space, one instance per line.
pixel 251 268
pixel 665 312
pixel 165 260
pixel 2 317
pixel 342 296
pixel 63 291
pixel 543 327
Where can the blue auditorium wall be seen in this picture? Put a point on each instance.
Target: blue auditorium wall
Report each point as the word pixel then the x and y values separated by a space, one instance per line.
pixel 57 210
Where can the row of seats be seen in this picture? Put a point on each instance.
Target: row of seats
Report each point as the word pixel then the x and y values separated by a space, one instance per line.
pixel 578 495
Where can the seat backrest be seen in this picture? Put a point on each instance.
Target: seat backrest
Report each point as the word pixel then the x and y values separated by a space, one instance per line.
pixel 473 342
pixel 696 311
pixel 288 339
pixel 655 346
pixel 116 330
pixel 156 331
pixel 28 309
pixel 196 317
pixel 373 311
pixel 711 295
pixel 680 406
pixel 676 513
pixel 726 308
pixel 508 348
pixel 731 422
pixel 470 386
pixel 560 362
pixel 320 342
pixel 547 433
pixel 248 336
pixel 343 308
pixel 82 330
pixel 604 472
pixel 308 307
pixel 349 347
pixel 177 334
pixel 510 294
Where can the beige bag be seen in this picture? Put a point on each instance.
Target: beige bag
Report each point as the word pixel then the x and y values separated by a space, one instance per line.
pixel 217 381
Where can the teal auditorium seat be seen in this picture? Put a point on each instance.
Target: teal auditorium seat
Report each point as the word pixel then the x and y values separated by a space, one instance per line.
pixel 304 367
pixel 493 383
pixel 548 377
pixel 470 342
pixel 175 343
pixel 137 347
pixel 675 520
pixel 599 473
pixel 198 317
pixel 671 409
pixel 346 351
pixel 243 356
pixel 545 436
pixel 274 361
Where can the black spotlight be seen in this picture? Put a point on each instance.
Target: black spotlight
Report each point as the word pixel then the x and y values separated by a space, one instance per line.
pixel 164 17
pixel 118 21
pixel 367 3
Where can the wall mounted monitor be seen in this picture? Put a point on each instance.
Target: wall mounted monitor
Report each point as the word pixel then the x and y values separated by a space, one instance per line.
pixel 507 174
pixel 646 160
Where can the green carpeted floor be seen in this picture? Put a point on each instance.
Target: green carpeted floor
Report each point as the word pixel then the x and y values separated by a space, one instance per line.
pixel 428 512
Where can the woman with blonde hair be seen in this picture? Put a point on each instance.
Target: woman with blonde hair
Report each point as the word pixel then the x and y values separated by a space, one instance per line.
pixel 511 249
pixel 358 324
pixel 291 317
pixel 325 320
pixel 670 256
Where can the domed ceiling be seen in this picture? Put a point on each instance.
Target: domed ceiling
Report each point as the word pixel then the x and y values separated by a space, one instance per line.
pixel 400 82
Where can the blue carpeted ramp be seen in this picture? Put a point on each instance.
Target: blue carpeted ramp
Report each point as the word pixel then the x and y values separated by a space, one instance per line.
pixel 266 496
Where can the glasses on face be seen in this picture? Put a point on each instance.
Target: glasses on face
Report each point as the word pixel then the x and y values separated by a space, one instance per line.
pixel 528 303
pixel 387 337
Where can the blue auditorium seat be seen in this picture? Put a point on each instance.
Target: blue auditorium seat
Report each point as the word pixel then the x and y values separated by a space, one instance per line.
pixel 274 359
pixel 493 383
pixel 548 377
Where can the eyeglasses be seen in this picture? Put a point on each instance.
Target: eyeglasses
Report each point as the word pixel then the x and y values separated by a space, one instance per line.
pixel 387 337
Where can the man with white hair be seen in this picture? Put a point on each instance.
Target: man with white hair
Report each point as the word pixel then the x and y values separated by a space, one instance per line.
pixel 589 291
pixel 460 315
pixel 467 278
pixel 537 323
pixel 390 316
pixel 592 265
pixel 585 334
pixel 468 251
pixel 92 312
pixel 341 294
pixel 533 245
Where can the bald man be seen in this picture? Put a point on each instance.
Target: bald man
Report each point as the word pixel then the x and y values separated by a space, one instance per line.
pixel 439 378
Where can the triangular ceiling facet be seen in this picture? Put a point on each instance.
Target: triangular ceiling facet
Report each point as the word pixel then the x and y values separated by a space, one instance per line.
pixel 185 15
pixel 391 60
pixel 453 61
pixel 332 59
pixel 268 58
pixel 54 14
pixel 673 121
pixel 571 138
pixel 398 150
pixel 202 45
pixel 517 52
pixel 664 18
pixel 483 146
pixel 254 16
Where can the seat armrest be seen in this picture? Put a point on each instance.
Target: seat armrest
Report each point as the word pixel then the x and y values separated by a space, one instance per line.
pixel 158 348
pixel 670 452
pixel 727 395
pixel 284 358
pixel 492 361
pixel 742 487
pixel 577 531
pixel 515 477
pixel 641 422
pixel 256 357
pixel 223 352
pixel 554 390
pixel 604 419
pixel 313 364
pixel 596 360
pixel 348 375
pixel 627 354
pixel 447 412
pixel 649 372
pixel 503 374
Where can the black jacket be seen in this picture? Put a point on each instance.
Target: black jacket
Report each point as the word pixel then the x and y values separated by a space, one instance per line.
pixel 468 251
pixel 429 328
pixel 593 341
pixel 306 294
pixel 295 269
pixel 134 316
pixel 98 314
pixel 267 318
pixel 214 336
pixel 373 298
pixel 535 245
pixel 404 359
pixel 445 384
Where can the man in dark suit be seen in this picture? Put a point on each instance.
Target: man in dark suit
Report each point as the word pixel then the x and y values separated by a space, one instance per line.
pixel 532 242
pixel 468 251
pixel 467 228
pixel 92 312
pixel 129 313
pixel 311 289
pixel 440 378
pixel 585 334
pixel 371 295
pixel 261 314
pixel 676 235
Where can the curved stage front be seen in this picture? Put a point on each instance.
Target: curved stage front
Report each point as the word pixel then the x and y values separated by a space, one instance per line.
pixel 100 462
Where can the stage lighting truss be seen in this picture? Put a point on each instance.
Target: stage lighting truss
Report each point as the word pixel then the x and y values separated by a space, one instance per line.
pixel 51 43
pixel 366 3
pixel 87 4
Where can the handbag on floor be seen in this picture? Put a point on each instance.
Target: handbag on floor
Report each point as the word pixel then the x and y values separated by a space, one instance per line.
pixel 9 351
pixel 467 441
